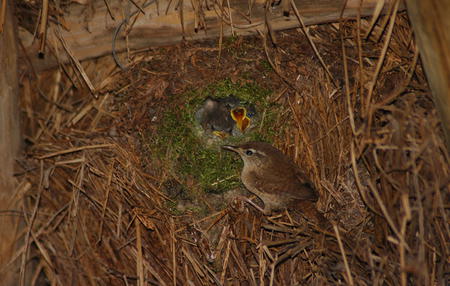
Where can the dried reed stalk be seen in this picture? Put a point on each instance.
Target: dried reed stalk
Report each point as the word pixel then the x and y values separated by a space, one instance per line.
pixel 94 215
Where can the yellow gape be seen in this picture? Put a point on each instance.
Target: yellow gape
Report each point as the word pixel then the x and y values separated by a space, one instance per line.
pixel 220 134
pixel 239 114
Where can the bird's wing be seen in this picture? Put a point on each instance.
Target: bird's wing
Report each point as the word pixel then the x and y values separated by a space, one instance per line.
pixel 285 184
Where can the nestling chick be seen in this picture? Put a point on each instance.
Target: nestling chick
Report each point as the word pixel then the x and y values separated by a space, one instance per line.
pixel 225 116
pixel 215 117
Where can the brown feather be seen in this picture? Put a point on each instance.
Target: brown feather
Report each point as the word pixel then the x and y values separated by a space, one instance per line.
pixel 272 176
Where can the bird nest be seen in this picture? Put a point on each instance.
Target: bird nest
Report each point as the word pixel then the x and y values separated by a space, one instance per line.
pixel 101 182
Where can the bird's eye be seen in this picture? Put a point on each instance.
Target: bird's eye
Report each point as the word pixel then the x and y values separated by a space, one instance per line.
pixel 249 152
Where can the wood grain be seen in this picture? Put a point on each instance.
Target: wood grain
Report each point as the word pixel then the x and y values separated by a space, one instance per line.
pixel 90 38
pixel 431 24
pixel 9 145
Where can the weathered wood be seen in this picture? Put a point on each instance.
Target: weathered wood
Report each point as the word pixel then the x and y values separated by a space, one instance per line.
pixel 431 24
pixel 9 144
pixel 89 38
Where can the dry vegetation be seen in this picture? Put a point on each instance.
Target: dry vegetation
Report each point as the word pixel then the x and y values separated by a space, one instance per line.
pixel 96 213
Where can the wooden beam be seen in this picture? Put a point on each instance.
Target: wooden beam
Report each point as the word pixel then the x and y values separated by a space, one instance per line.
pixel 10 226
pixel 92 38
pixel 430 20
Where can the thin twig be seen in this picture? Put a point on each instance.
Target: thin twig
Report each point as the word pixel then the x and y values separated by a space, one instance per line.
pixel 139 258
pixel 231 18
pixel 316 51
pixel 386 214
pixel 76 149
pixel 42 35
pixel 376 14
pixel 138 6
pixel 109 9
pixel 76 63
pixel 30 226
pixel 344 257
pixel 382 56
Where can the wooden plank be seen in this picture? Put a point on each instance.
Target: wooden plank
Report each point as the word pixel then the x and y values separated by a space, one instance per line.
pixel 92 38
pixel 9 143
pixel 431 24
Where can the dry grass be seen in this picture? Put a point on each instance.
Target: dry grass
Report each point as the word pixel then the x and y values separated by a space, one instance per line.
pixel 373 147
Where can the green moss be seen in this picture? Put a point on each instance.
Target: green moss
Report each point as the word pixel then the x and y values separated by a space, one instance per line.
pixel 266 66
pixel 248 92
pixel 172 206
pixel 183 151
pixel 230 41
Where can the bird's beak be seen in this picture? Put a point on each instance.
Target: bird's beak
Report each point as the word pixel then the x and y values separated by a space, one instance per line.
pixel 239 114
pixel 220 134
pixel 231 148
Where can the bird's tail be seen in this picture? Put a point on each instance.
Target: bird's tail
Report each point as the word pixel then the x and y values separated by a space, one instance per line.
pixel 308 210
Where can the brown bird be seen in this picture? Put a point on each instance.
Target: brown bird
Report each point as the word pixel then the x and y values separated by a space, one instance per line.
pixel 276 180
